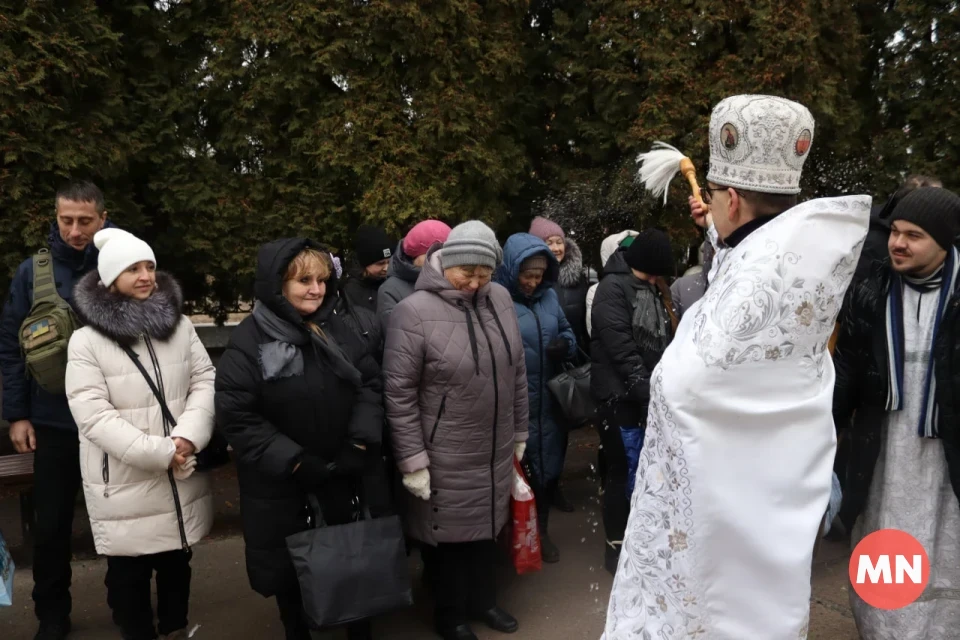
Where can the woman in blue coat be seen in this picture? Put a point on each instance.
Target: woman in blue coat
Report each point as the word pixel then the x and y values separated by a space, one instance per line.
pixel 529 271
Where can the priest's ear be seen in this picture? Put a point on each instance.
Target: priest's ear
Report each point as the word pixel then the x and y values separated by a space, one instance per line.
pixel 735 210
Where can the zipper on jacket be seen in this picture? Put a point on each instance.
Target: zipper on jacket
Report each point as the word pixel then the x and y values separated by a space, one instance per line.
pixel 496 417
pixel 543 372
pixel 105 472
pixel 166 432
pixel 443 405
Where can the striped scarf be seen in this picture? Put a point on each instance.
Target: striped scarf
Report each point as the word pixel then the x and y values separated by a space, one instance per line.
pixel 946 281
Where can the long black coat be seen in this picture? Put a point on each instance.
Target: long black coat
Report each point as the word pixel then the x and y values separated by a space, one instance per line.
pixel 861 385
pixel 270 424
pixel 631 330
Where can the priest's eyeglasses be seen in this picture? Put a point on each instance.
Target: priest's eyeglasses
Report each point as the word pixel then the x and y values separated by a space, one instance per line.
pixel 706 191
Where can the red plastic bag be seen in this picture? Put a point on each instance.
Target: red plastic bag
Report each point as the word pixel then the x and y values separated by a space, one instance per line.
pixel 525 536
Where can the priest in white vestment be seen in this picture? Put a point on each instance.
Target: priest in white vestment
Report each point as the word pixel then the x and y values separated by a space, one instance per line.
pixel 735 473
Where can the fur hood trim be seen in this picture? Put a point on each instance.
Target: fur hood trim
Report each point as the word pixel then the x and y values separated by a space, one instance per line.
pixel 571 269
pixel 125 319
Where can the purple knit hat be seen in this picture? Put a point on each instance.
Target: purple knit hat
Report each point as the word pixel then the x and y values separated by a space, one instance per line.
pixel 543 229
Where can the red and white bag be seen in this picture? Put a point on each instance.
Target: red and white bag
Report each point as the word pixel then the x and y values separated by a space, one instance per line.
pixel 525 535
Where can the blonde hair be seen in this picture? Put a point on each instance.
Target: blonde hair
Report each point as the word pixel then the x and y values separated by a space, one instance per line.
pixel 309 262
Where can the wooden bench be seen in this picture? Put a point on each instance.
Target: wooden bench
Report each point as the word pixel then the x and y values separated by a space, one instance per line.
pixel 17 469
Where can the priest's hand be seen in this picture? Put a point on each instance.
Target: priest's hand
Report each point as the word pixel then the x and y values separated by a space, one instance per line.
pixel 699 213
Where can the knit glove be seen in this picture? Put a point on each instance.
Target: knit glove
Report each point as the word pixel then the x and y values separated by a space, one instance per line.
pixel 312 472
pixel 518 449
pixel 418 483
pixel 558 349
pixel 185 471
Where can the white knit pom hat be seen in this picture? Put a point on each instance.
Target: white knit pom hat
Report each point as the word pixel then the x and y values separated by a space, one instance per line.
pixel 119 250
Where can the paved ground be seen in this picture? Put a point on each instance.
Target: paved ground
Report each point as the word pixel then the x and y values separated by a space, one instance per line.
pixel 564 601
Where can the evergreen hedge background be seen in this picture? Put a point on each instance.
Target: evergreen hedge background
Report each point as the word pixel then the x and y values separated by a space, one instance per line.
pixel 215 125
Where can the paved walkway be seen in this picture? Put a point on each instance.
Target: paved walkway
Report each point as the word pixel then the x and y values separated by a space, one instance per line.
pixel 564 601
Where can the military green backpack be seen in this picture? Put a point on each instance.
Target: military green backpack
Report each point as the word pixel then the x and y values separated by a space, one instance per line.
pixel 45 333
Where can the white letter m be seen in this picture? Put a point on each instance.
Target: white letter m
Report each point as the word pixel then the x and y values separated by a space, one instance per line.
pixel 878 572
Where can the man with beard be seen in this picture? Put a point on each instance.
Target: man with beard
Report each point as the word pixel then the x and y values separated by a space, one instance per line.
pixel 896 365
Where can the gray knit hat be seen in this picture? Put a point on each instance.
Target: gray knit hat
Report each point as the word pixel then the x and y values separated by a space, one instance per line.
pixel 471 243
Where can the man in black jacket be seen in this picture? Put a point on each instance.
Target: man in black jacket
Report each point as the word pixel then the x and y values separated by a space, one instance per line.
pixel 896 362
pixel 373 249
pixel 41 422
pixel 633 322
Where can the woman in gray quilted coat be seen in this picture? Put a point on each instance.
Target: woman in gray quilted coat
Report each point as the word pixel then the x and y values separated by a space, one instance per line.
pixel 456 399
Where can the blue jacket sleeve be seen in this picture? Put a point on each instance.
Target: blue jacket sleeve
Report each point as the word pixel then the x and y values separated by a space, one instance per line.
pixel 565 329
pixel 16 387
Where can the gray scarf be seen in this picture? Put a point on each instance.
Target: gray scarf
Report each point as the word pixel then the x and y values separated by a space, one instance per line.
pixel 284 357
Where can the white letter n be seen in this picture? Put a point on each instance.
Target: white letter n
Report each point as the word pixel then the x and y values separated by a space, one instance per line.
pixel 914 570
pixel 881 570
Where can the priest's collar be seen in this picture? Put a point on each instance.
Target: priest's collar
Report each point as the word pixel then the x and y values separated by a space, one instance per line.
pixel 741 232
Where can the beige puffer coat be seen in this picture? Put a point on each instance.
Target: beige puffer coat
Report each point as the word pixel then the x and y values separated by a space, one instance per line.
pixel 124 453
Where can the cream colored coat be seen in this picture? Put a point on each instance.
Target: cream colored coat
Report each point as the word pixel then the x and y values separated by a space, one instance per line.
pixel 124 454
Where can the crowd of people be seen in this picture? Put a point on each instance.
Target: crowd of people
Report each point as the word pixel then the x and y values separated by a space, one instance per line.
pixel 411 378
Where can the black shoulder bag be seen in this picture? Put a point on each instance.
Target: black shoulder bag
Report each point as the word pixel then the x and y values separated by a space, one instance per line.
pixel 352 571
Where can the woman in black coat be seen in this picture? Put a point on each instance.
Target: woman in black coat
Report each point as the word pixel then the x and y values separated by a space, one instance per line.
pixel 298 397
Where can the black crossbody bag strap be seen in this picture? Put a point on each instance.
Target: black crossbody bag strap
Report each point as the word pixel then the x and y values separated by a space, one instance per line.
pixel 167 416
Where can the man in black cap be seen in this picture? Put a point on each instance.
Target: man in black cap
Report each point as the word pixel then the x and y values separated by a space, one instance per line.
pixel 875 247
pixel 373 249
pixel 633 321
pixel 897 373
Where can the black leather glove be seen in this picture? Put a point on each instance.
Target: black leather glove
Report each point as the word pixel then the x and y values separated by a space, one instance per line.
pixel 558 349
pixel 312 472
pixel 351 461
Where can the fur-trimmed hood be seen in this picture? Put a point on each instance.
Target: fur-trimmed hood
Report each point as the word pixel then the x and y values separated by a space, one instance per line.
pixel 571 269
pixel 125 319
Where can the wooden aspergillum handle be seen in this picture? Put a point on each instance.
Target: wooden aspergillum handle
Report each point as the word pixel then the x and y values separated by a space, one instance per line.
pixel 690 173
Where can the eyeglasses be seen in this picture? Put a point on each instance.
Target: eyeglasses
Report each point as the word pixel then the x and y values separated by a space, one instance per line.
pixel 706 191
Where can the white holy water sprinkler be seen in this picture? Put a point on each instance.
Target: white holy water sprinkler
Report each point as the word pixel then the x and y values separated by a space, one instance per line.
pixel 661 164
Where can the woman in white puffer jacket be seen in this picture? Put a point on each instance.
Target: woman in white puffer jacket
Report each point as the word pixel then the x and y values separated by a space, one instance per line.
pixel 146 506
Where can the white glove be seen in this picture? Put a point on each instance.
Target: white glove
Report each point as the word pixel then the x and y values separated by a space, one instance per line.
pixel 418 483
pixel 184 472
pixel 518 449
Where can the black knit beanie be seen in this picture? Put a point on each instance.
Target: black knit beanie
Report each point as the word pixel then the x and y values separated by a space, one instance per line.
pixel 933 209
pixel 651 253
pixel 372 245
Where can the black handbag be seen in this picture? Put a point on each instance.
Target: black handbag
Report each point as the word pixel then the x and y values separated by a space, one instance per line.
pixel 571 390
pixel 352 571
pixel 215 454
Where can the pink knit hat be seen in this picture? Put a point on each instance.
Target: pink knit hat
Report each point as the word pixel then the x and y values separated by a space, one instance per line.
pixel 423 236
pixel 543 229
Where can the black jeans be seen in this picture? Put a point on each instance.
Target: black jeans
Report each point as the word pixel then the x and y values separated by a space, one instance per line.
pixel 56 482
pixel 463 577
pixel 295 624
pixel 616 506
pixel 128 593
